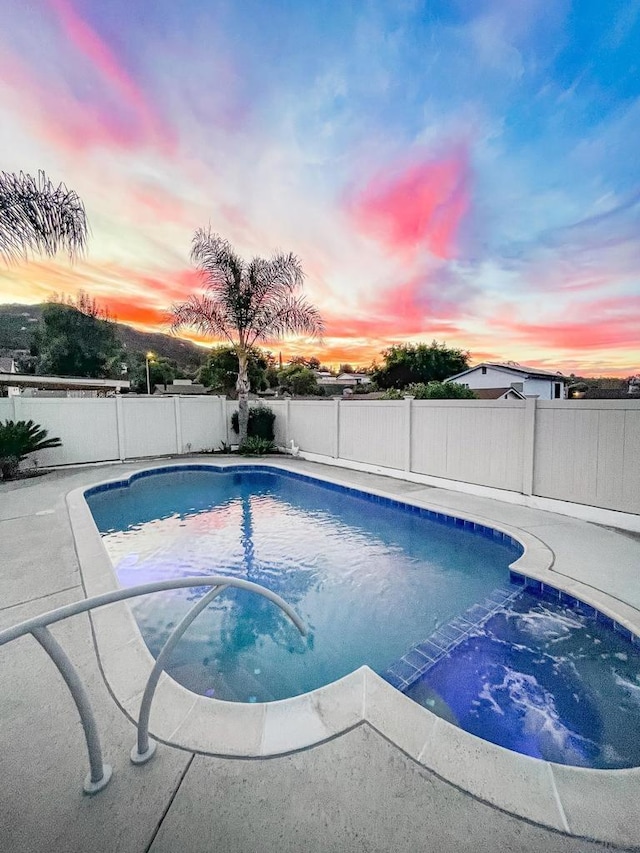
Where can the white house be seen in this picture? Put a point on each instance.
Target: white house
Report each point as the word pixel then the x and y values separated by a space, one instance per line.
pixel 501 377
pixel 353 378
pixel 8 365
pixel 344 380
pixel 30 385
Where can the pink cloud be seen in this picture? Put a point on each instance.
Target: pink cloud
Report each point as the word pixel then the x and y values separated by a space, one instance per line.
pixel 88 43
pixel 60 120
pixel 420 207
pixel 605 323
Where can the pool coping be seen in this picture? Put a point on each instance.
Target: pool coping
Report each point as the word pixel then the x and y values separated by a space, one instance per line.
pixel 564 798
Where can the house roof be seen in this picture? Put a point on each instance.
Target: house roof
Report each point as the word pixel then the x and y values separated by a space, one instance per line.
pixel 513 368
pixel 497 393
pixel 62 382
pixel 180 388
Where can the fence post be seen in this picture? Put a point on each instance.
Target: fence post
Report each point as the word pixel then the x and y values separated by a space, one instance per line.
pixel 529 445
pixel 336 427
pixel 120 427
pixel 407 431
pixel 13 408
pixel 229 435
pixel 287 422
pixel 177 402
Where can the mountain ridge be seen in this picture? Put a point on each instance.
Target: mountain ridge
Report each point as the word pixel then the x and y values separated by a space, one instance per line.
pixel 18 322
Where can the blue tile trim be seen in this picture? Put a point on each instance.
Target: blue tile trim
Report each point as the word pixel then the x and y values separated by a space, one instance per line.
pixel 471 527
pixel 545 590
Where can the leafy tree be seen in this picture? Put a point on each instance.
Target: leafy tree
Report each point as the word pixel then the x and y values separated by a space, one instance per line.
pixel 346 368
pixel 245 302
pixel 220 371
pixel 17 440
pixel 162 371
pixel 298 380
pixel 36 217
pixel 407 363
pixel 77 339
pixel 312 363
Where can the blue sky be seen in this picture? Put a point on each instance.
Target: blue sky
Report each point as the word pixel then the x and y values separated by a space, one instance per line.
pixel 465 171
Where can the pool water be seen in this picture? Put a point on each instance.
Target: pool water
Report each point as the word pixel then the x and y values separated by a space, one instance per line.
pixel 376 584
pixel 544 679
pixel 369 581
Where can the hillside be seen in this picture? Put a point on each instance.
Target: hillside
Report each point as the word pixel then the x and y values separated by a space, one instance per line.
pixel 17 324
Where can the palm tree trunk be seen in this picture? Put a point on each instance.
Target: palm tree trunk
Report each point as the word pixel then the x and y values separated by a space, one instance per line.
pixel 242 387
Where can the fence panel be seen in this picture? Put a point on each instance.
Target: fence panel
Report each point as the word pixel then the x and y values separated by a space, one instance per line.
pixel 279 425
pixel 202 423
pixel 86 427
pixel 374 432
pixel 312 425
pixel 149 427
pixel 475 441
pixel 588 451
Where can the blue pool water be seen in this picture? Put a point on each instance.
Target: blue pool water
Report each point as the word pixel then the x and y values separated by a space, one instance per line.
pixel 380 584
pixel 368 580
pixel 545 679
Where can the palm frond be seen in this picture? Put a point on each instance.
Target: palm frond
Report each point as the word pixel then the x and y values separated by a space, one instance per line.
pixel 289 315
pixel 37 217
pixel 214 256
pixel 204 315
pixel 246 302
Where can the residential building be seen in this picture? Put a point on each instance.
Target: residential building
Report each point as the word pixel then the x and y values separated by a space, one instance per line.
pixel 527 381
pixel 8 365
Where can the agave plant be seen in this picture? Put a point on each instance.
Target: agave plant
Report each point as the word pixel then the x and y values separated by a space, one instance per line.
pixel 17 440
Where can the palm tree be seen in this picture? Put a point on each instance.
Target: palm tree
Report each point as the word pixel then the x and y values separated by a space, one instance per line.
pixel 37 217
pixel 245 303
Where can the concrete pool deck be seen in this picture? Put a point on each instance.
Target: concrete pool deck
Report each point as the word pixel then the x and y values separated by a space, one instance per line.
pixel 357 791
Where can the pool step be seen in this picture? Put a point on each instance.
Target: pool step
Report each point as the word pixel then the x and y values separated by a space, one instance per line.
pixel 419 659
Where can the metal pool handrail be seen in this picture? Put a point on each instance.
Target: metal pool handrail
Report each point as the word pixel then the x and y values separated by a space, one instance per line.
pixel 100 773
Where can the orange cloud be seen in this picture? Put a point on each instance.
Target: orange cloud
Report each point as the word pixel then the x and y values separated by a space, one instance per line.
pixel 421 207
pixel 141 313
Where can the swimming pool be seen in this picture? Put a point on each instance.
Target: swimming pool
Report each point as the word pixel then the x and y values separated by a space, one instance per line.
pixel 356 546
pixel 369 579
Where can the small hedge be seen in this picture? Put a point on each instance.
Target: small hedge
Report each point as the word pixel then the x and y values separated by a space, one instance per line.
pixel 261 421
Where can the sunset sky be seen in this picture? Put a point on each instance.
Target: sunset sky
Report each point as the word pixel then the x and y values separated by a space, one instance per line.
pixel 464 170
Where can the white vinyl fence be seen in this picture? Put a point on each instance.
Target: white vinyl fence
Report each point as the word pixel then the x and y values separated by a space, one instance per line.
pixel 101 430
pixel 581 451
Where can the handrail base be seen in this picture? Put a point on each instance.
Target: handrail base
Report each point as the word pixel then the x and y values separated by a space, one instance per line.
pixel 143 757
pixel 91 788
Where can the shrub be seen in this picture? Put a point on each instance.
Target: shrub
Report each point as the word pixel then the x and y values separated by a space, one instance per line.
pixel 256 446
pixel 17 440
pixel 261 420
pixel 440 391
pixel 431 391
pixel 392 394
